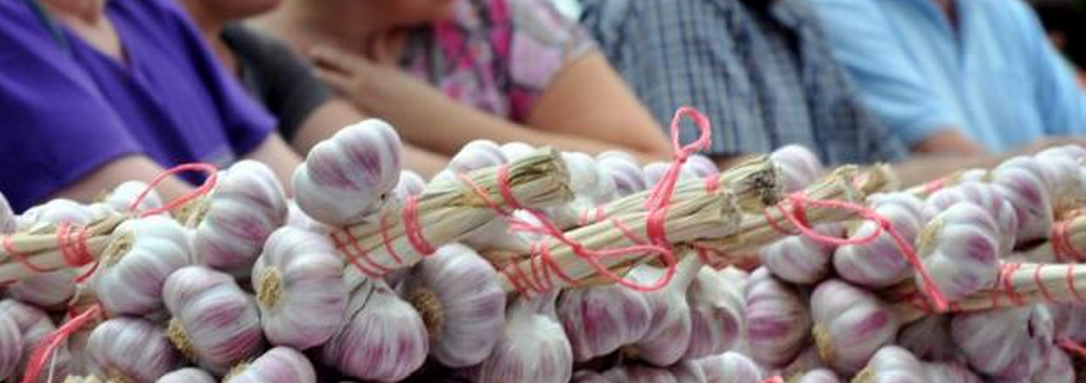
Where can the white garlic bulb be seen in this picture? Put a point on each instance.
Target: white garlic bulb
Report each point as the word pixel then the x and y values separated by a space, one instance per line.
pixel 716 311
pixel 135 267
pixel 892 364
pixel 655 171
pixel 640 374
pixel 601 319
pixel 131 350
pixel 701 166
pixel 999 343
pixel 411 184
pixel 881 263
pixel 624 172
pixel 587 376
pixel 533 348
pixel 731 367
pixel 929 339
pixel 945 372
pixel 34 325
pixel 11 347
pixel 475 155
pixel 1066 185
pixel 457 294
pixel 799 167
pixel 1021 181
pixel 8 220
pixel 778 320
pixel 987 197
pixel 214 322
pixel 850 325
pixel 50 290
pixel 278 365
pixel 960 250
pixel 515 150
pixel 1055 367
pixel 1070 321
pixel 688 372
pixel 799 259
pixel 817 376
pixel 299 288
pixel 127 193
pixel 669 333
pixel 187 375
pixel 345 178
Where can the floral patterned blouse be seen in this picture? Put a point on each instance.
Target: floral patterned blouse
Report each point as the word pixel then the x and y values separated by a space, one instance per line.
pixel 497 55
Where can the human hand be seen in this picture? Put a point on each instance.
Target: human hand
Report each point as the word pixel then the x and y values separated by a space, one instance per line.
pixel 377 89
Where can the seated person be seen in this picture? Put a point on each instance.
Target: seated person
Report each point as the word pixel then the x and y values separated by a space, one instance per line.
pixel 447 72
pixel 96 92
pixel 282 80
pixel 762 72
pixel 956 76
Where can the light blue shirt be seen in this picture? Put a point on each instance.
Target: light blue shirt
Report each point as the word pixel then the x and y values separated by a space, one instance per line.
pixel 996 76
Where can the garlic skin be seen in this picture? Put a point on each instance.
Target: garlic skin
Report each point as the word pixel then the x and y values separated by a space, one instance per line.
pixel 801 260
pixel 892 364
pixel 299 288
pixel 688 372
pixel 929 339
pixel 516 150
pixel 588 376
pixel 11 347
pixel 1070 321
pixel 851 325
pixel 778 321
pixel 345 178
pixel 61 210
pixel 1021 181
pixel 987 197
pixel 187 375
pixel 670 329
pixel 533 347
pixel 701 166
pixel 1066 185
pixel 716 312
pixel 639 374
pixel 477 154
pixel 949 373
pixel 124 195
pixel 1055 367
pixel 134 269
pixel 818 376
pixel 8 220
pixel 411 184
pixel 34 325
pixel 731 367
pixel 278 365
pixel 624 172
pixel 457 294
pixel 246 206
pixel 998 342
pixel 655 171
pixel 601 319
pixel 960 250
pixel 881 263
pixel 214 322
pixel 383 340
pixel 49 290
pixel 131 350
pixel 799 167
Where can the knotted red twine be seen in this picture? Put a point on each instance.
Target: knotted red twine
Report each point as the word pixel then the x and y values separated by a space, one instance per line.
pixel 1060 238
pixel 49 344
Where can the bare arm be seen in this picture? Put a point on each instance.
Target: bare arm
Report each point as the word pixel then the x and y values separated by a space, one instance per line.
pixel 127 168
pixel 275 153
pixel 948 140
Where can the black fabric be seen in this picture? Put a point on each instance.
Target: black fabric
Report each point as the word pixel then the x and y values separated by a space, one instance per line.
pixel 277 77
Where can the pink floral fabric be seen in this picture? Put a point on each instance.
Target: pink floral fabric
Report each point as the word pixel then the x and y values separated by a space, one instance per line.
pixel 497 55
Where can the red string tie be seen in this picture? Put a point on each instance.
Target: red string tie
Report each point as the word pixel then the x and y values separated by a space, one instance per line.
pixel 49 344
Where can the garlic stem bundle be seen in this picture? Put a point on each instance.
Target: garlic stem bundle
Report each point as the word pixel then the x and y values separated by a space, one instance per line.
pixel 892 364
pixel 778 320
pixel 131 350
pixel 278 365
pixel 187 375
pixel 850 325
pixel 1000 343
pixel 46 249
pixel 668 337
pixel 475 155
pixel 299 289
pixel 11 347
pixel 601 319
pixel 799 259
pixel 960 250
pixel 135 266
pixel 730 367
pixel 716 311
pixel 881 262
pixel 799 167
pixel 345 178
pixel 214 324
pixel 533 347
pixel 233 222
pixel 458 296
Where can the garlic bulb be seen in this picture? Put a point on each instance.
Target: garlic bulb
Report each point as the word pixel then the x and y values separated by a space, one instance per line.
pixel 987 197
pixel 1021 181
pixel 778 321
pixel 583 176
pixel 533 347
pixel 688 372
pixel 1066 185
pixel 384 338
pixel 1055 367
pixel 49 290
pixel 187 375
pixel 124 195
pixel 998 342
pixel 624 172
pixel 475 155
pixel 949 373
pixel 881 263
pixel 34 325
pixel 247 205
pixel 892 364
pixel 817 376
pixel 11 347
pixel 801 260
pixel 731 367
pixel 458 296
pixel 639 374
pixel 278 365
pixel 131 350
pixel 670 329
pixel 345 178
pixel 135 266
pixel 588 377
pixel 411 184
pixel 716 312
pixel 214 322
pixel 515 150
pixel 960 250
pixel 1070 321
pixel 1073 152
pixel 701 166
pixel 850 325
pixel 656 170
pixel 929 339
pixel 299 288
pixel 8 221
pixel 601 319
pixel 799 167
pixel 61 210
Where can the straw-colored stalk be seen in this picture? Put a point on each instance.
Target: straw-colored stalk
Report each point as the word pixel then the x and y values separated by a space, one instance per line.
pixel 707 216
pixel 1067 242
pixel 42 247
pixel 450 209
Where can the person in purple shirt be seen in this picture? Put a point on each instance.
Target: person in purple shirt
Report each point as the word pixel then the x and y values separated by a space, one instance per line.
pixel 97 92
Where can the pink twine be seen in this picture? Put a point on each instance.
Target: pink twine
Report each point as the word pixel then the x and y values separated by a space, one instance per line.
pixel 202 190
pixel 1061 241
pixel 1072 346
pixel 49 344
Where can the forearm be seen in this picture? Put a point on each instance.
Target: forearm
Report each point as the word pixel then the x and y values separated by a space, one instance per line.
pixel 275 153
pixel 113 173
pixel 425 163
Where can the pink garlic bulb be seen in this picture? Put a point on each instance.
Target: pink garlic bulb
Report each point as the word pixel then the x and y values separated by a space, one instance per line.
pixel 34 325
pixel 1055 367
pixel 987 197
pixel 124 195
pixel 716 312
pixel 892 364
pixel 457 294
pixel 624 171
pixel 8 222
pixel 731 367
pixel 799 166
pixel 299 288
pixel 11 347
pixel 799 259
pixel 588 376
pixel 583 174
pixel 998 342
pixel 1021 181
pixel 247 205
pixel 850 325
pixel 1066 185
pixel 688 372
pixel 411 184
pixel 384 339
pixel 50 290
pixel 1070 321
pixel 601 319
pixel 533 347
pixel 214 322
pixel 1073 152
pixel 346 178
pixel 960 249
pixel 61 210
pixel 817 376
pixel 187 375
pixel 131 350
pixel 881 263
pixel 477 154
pixel 944 372
pixel 929 339
pixel 778 321
pixel 515 150
pixel 670 329
pixel 134 269
pixel 655 171
pixel 639 374
pixel 701 166
pixel 297 218
pixel 278 365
